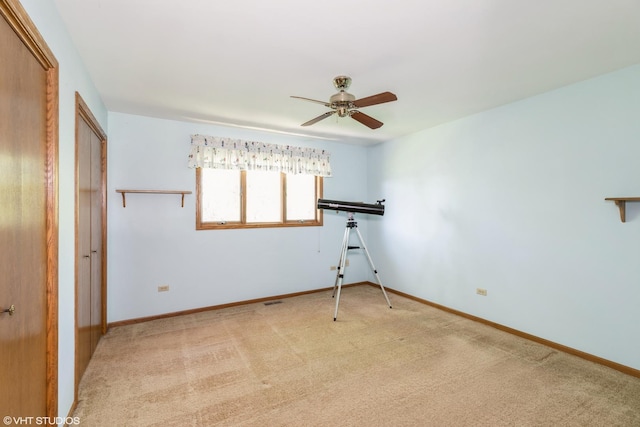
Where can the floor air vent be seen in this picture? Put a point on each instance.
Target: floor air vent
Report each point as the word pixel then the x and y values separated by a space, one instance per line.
pixel 272 302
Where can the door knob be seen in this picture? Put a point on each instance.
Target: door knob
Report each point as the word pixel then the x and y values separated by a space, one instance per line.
pixel 9 310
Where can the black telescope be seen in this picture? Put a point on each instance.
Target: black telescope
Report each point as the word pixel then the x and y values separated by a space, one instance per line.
pixel 367 208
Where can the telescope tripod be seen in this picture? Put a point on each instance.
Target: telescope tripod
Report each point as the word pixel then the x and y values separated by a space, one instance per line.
pixel 352 225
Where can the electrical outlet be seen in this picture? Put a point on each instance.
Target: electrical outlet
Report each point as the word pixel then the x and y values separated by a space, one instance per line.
pixel 334 268
pixel 163 288
pixel 481 291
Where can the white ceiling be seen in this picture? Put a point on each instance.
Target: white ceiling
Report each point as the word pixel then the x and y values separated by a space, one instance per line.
pixel 237 62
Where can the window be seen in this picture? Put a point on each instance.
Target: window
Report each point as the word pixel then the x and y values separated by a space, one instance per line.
pixel 254 199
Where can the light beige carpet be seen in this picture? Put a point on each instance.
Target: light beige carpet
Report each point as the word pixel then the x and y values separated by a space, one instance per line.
pixel 290 364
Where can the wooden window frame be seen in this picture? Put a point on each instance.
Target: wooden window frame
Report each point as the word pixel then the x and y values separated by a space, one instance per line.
pixel 202 225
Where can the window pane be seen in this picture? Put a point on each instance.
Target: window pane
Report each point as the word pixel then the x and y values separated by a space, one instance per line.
pixel 264 196
pixel 251 199
pixel 220 195
pixel 301 197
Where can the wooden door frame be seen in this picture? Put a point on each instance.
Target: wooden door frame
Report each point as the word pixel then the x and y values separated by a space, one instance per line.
pixel 18 19
pixel 84 113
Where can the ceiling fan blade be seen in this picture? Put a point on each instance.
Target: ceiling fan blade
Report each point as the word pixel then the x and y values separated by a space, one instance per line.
pixel 326 104
pixel 366 120
pixel 380 98
pixel 317 119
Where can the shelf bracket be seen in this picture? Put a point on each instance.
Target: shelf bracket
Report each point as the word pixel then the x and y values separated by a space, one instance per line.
pixel 621 203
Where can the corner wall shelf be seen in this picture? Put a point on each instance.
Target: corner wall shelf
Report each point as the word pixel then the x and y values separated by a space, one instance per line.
pixel 621 203
pixel 124 202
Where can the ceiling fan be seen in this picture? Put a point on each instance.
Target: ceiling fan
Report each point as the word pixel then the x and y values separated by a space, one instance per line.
pixel 345 104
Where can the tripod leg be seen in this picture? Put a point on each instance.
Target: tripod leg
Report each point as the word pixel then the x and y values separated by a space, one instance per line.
pixel 340 276
pixel 364 247
pixel 343 254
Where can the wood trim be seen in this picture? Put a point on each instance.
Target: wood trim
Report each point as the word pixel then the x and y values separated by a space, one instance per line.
pixel 198 198
pixel 318 221
pixel 103 165
pixel 238 226
pixel 283 197
pixel 52 240
pixel 84 112
pixel 69 416
pixel 581 354
pixel 76 250
pixel 221 306
pixel 320 195
pixel 595 359
pixel 19 20
pixel 242 223
pixel 243 200
pixel 15 15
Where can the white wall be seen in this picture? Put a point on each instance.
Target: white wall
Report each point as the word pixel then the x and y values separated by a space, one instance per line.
pixel 153 240
pixel 72 77
pixel 512 200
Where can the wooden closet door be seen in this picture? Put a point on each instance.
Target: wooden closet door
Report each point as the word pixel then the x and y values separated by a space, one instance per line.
pixel 23 229
pixel 91 231
pixel 96 240
pixel 84 258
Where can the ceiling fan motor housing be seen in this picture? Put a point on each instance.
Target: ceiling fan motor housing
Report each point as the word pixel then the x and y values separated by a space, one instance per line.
pixel 342 101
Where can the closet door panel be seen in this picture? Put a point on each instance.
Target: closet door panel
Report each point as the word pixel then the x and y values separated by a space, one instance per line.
pixel 96 240
pixel 83 286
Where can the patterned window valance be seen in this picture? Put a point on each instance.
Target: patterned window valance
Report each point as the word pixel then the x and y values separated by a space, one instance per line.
pixel 224 153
